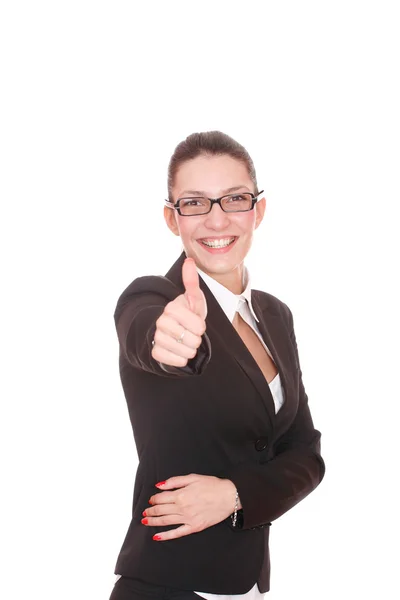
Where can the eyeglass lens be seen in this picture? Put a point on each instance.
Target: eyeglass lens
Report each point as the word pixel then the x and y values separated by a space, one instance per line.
pixel 200 205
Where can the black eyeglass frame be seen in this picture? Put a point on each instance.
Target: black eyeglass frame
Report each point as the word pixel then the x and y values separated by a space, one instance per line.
pixel 213 201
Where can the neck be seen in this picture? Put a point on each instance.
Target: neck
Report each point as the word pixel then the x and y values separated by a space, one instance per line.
pixel 233 280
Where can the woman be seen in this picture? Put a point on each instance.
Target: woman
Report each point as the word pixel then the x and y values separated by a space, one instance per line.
pixel 211 375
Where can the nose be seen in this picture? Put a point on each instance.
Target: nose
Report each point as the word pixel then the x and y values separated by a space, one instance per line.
pixel 217 218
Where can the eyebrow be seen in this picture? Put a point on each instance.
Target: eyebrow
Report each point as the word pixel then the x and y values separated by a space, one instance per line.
pixel 202 193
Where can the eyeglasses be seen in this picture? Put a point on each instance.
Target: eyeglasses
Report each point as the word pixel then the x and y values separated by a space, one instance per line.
pixel 200 205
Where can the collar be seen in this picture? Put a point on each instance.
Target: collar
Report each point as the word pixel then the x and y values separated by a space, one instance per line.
pixel 229 301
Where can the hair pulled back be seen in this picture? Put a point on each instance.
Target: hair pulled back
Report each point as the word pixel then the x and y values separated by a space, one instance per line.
pixel 208 143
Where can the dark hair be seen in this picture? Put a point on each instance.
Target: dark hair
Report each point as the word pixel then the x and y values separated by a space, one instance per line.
pixel 208 143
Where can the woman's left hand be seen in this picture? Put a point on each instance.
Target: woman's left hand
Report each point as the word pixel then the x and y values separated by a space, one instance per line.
pixel 199 501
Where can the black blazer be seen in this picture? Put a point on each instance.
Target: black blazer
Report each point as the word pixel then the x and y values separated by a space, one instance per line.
pixel 216 417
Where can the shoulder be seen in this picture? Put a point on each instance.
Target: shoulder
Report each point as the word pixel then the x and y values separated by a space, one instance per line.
pixel 150 284
pixel 272 304
pixel 152 288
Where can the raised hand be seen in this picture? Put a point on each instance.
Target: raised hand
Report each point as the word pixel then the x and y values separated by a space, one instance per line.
pixel 185 315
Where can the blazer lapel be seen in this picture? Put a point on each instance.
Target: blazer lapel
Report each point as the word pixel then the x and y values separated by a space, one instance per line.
pixel 273 332
pixel 218 325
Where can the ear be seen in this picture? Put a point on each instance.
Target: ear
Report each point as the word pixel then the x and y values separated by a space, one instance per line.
pixel 170 219
pixel 260 210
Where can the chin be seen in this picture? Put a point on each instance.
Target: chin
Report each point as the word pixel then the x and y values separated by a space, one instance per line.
pixel 219 266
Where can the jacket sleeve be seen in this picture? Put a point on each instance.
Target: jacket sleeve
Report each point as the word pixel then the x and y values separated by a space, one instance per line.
pixel 135 316
pixel 270 489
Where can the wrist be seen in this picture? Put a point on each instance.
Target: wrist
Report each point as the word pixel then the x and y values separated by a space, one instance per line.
pixel 232 495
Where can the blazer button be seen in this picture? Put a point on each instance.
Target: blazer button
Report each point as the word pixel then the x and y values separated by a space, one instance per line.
pixel 261 444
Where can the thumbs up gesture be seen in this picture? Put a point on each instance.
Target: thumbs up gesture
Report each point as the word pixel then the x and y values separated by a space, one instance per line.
pixel 182 323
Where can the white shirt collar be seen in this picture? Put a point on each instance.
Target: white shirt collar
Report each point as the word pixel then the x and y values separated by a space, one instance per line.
pixel 229 301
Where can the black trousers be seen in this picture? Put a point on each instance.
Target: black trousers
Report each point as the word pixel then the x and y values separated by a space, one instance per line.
pixel 129 588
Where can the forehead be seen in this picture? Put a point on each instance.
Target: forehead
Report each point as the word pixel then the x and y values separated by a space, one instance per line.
pixel 211 175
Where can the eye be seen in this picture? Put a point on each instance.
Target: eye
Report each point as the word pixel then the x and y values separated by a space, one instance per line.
pixel 192 202
pixel 237 198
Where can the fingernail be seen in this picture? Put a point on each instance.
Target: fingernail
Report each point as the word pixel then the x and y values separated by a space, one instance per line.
pixel 160 483
pixel 144 513
pixel 150 501
pixel 157 537
pixel 145 521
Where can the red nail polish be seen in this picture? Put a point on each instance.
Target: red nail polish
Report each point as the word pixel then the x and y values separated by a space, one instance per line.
pixel 156 537
pixel 149 501
pixel 161 483
pixel 144 513
pixel 145 521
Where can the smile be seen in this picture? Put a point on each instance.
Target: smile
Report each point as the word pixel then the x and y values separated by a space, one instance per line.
pixel 218 246
pixel 218 243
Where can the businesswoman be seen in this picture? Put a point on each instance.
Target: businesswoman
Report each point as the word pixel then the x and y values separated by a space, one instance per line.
pixel 212 379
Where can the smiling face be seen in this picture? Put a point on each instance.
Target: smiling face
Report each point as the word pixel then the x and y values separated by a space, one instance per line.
pixel 215 176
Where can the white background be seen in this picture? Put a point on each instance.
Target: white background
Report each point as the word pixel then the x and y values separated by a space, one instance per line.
pixel 95 97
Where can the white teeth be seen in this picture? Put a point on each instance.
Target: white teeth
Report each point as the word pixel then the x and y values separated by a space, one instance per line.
pixel 218 243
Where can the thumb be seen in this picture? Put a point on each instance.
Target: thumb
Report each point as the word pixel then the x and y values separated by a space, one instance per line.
pixel 193 293
pixel 190 277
